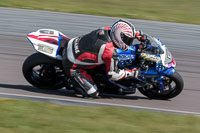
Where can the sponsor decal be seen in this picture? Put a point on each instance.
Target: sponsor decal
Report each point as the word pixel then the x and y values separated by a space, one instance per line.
pixel 170 65
pixel 150 57
pixel 76 47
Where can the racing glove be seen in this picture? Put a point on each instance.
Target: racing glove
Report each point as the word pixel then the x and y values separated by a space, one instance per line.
pixel 142 37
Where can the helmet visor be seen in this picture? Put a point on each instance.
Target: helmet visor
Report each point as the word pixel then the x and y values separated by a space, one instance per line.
pixel 126 39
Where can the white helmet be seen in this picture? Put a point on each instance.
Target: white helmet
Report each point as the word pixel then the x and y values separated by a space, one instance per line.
pixel 122 34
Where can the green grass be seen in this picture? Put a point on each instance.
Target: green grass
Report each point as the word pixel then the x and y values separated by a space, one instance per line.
pixel 18 116
pixel 182 11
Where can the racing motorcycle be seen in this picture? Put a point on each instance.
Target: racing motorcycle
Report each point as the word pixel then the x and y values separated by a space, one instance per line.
pixel 158 78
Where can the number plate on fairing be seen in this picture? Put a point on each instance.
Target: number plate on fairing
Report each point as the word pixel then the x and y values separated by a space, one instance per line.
pixel 45 48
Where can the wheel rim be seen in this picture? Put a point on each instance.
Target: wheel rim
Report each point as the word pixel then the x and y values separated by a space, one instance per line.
pixel 47 75
pixel 169 88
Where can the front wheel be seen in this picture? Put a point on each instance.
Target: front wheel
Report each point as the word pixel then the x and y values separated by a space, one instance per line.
pixel 173 86
pixel 43 72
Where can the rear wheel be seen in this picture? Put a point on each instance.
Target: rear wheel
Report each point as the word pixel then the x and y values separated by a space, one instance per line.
pixel 173 86
pixel 43 72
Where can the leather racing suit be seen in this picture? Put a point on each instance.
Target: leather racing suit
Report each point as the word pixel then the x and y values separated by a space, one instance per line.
pixel 89 51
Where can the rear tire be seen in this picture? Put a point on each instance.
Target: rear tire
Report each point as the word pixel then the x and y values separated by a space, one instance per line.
pixel 50 74
pixel 153 93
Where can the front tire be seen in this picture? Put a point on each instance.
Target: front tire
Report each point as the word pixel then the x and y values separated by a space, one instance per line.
pixel 43 72
pixel 156 93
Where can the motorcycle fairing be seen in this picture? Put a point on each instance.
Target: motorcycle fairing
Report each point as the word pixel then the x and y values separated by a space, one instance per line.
pixel 154 72
pixel 46 41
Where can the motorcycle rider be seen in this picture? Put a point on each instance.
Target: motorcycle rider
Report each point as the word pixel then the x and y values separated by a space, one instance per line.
pixel 96 48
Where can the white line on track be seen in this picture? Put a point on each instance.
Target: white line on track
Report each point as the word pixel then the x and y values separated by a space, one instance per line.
pixel 105 104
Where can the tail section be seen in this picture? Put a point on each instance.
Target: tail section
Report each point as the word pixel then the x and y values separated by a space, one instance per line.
pixel 47 41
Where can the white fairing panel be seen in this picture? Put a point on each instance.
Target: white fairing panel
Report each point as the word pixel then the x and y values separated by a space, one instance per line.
pixel 166 57
pixel 46 41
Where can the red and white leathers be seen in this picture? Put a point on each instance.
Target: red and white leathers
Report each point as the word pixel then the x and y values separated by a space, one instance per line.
pixel 89 51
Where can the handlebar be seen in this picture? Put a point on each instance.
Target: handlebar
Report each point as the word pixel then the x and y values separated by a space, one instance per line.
pixel 148 44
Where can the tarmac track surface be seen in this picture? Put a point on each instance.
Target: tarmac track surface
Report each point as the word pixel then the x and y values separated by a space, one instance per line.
pixel 181 39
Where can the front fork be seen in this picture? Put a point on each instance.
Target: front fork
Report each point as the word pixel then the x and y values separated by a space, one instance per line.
pixel 160 75
pixel 167 72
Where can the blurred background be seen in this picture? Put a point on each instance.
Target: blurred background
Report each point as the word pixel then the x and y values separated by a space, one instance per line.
pixel 182 11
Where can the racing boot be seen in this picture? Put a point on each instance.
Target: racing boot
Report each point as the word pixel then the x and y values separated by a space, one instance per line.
pixel 86 88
